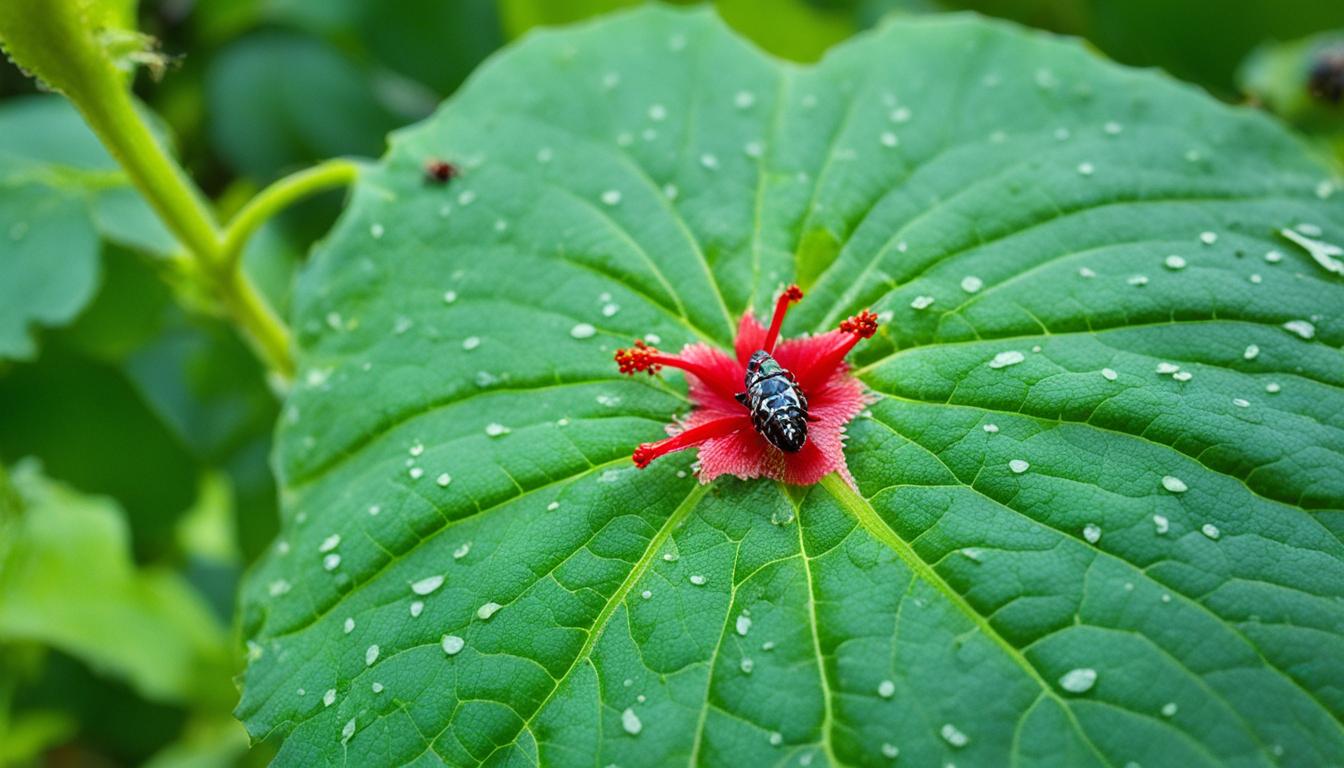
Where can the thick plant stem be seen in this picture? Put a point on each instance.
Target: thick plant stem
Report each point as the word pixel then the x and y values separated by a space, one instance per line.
pixel 117 123
pixel 278 196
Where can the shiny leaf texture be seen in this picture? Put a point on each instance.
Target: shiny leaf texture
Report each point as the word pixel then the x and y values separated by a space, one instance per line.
pixel 1098 508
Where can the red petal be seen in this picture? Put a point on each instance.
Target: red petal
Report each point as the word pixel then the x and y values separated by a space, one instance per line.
pixel 723 378
pixel 750 337
pixel 687 438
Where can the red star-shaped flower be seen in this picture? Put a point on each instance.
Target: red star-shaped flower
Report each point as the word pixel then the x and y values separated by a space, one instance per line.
pixel 721 425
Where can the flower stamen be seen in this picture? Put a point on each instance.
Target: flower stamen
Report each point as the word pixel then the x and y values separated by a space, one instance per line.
pixel 642 357
pixel 647 452
pixel 790 295
pixel 856 328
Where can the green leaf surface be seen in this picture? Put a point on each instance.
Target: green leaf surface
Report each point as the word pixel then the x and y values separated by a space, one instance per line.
pixel 1056 555
pixel 68 581
pixel 61 195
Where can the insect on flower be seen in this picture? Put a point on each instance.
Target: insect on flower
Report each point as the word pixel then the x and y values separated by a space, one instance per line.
pixel 789 422
pixel 440 171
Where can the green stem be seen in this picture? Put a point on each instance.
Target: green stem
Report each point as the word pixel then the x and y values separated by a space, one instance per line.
pixel 283 193
pixel 113 117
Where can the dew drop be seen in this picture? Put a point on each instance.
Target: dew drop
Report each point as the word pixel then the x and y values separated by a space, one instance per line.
pixel 376 687
pixel 330 543
pixel 1252 352
pixel 1085 272
pixel 744 99
pixel 1109 374
pixel 1210 530
pixel 443 480
pixel 612 197
pixel 1138 281
pixel 899 115
pixel 416 473
pixel 466 198
pixel 890 751
pixel 743 625
pixel 348 730
pixel 1174 484
pixel 630 722
pixel 709 161
pixel 583 331
pixel 888 139
pixel 657 113
pixel 746 665
pixel 971 283
pixel 486 611
pixel 1182 376
pixel 545 155
pixel 329 697
pixel 1161 524
pixel 1018 466
pixel 1092 532
pixel 646 594
pixel 953 736
pixel 1300 327
pixel 1241 402
pixel 331 562
pixel 376 231
pixel 417 608
pixel 1078 680
pixel 554 505
pixel 471 342
pixel 886 689
pixel 1174 262
pixel 1165 368
pixel 1169 709
pixel 610 310
pixel 776 738
pixel 921 302
pixel 495 429
pixel 1086 169
pixel 698 580
pixel 1273 257
pixel 1273 388
pixel 991 428
pixel 427 585
pixel 349 625
pixel 452 644
pixel 462 551
pixel 1113 128
pixel 1005 359
pixel 370 655
pixel 971 553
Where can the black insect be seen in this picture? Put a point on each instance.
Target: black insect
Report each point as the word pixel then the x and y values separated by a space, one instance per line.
pixel 778 407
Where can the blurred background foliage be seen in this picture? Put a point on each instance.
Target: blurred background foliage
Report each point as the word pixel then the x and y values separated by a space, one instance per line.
pixel 135 427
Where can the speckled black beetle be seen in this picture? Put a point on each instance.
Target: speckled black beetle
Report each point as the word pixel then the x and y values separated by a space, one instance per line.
pixel 778 407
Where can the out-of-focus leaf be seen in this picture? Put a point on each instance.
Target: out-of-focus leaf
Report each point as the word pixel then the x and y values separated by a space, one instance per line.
pixel 69 581
pixel 793 29
pixel 1097 515
pixel 207 742
pixel 60 194
pixel 28 734
pixel 280 100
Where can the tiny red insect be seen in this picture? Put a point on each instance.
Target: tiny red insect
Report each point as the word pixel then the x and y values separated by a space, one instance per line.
pixel 440 171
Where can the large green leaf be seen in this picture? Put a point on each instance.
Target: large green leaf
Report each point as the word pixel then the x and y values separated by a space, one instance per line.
pixel 1072 559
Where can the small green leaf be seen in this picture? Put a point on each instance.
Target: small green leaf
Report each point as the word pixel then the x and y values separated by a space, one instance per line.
pixel 68 581
pixel 61 195
pixel 1098 508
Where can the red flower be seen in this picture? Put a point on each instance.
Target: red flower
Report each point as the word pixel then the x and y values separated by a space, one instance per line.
pixel 722 426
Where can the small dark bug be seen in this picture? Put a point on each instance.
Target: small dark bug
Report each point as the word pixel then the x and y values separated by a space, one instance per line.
pixel 440 171
pixel 778 407
pixel 1326 80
